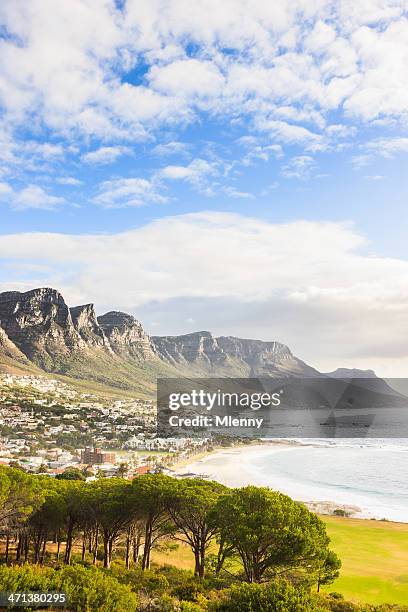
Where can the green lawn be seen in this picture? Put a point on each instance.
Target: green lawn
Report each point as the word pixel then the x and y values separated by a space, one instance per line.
pixel 374 556
pixel 375 559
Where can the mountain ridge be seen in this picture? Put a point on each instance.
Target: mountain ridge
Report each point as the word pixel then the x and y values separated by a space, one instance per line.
pixel 38 329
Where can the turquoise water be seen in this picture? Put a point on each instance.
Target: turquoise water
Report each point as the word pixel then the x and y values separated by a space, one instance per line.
pixel 374 478
pixel 371 475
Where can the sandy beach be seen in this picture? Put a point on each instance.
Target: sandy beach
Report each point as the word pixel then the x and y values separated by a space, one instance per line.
pixel 311 474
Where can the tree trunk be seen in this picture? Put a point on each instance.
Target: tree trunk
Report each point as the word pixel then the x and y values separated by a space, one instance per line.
pixel 106 562
pixel 201 569
pixel 37 547
pixel 26 544
pixel 58 546
pixel 136 548
pixel 95 549
pixel 110 550
pixel 7 548
pixel 196 562
pixel 43 550
pixel 147 546
pixel 83 547
pixel 68 546
pixel 19 547
pixel 222 553
pixel 128 548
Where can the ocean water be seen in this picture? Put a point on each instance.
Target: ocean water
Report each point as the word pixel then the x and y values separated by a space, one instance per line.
pixel 370 474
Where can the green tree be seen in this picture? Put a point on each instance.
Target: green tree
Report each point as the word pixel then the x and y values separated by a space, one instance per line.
pixel 107 502
pixel 150 497
pixel 123 469
pixel 47 519
pixel 20 493
pixel 73 495
pixel 190 503
pixel 328 569
pixel 271 533
pixel 71 473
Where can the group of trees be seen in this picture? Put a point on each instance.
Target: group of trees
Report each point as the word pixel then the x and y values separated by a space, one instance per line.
pixel 253 533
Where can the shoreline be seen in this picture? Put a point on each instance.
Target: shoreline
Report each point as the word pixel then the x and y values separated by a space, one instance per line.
pixel 200 456
pixel 216 464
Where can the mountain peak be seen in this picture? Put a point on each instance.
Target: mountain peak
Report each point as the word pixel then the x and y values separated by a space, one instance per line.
pixel 125 332
pixel 351 373
pixel 118 319
pixel 41 294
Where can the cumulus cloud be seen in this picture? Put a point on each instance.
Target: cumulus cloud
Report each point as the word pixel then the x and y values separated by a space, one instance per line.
pixel 119 193
pixel 170 148
pixel 386 148
pixel 300 167
pixel 5 189
pixel 309 284
pixel 68 180
pixel 32 196
pixel 232 192
pixel 198 173
pixel 285 66
pixel 105 155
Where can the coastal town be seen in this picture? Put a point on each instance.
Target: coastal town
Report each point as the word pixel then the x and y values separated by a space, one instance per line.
pixel 48 427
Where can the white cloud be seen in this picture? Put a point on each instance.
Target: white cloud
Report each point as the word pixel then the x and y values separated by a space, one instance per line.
pixel 293 134
pixel 119 193
pixel 33 196
pixel 188 77
pixel 285 66
pixel 69 180
pixel 105 155
pixel 232 192
pixel 309 284
pixel 43 150
pixel 300 167
pixel 387 148
pixel 197 172
pixel 170 148
pixel 5 189
pixel 258 151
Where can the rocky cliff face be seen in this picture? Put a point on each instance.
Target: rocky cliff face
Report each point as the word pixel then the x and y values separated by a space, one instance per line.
pixel 39 323
pixel 44 329
pixel 231 356
pixel 86 324
pixel 200 348
pixel 125 334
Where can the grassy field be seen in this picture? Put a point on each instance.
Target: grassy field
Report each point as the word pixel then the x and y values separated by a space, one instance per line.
pixel 374 556
pixel 375 559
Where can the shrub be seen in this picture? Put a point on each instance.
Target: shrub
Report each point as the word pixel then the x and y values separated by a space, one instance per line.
pixel 276 596
pixel 88 589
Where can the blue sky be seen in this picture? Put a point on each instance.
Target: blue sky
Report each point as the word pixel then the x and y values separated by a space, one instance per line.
pixel 239 167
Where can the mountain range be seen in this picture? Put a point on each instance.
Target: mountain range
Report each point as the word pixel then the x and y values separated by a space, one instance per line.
pixel 39 332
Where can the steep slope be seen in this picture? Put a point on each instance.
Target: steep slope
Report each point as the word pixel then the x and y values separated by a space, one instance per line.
pixel 39 323
pixel 38 329
pixel 86 325
pixel 12 360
